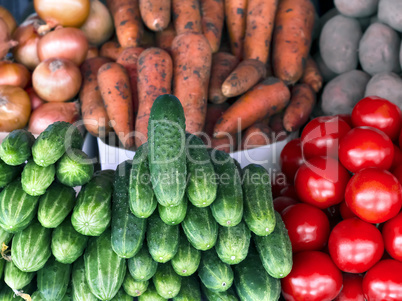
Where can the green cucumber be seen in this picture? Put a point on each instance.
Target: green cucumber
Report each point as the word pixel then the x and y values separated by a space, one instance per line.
pixel 151 294
pixel 53 280
pixel 258 203
pixel 228 295
pixel 55 205
pixel 134 288
pixel 92 213
pixel 167 155
pixel 80 288
pixel 30 248
pixel 173 215
pixel 214 274
pixel 252 282
pixel 5 237
pixel 74 168
pixel 7 294
pixel 53 142
pixel 233 243
pixel 227 208
pixel 35 179
pixel 128 231
pixel 8 173
pixel 67 244
pixel 122 296
pixel 275 250
pixel 187 258
pixel 200 227
pixel 166 281
pixel 16 147
pixel 17 208
pixel 189 290
pixel 201 188
pixel 142 267
pixel 104 270
pixel 141 195
pixel 36 296
pixel 162 239
pixel 2 264
pixel 15 278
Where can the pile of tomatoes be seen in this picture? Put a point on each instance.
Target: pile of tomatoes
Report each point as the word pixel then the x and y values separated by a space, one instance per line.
pixel 342 205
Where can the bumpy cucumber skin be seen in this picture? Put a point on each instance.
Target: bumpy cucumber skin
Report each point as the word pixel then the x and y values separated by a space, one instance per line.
pixel 8 173
pixel 167 155
pixel 74 168
pixel 200 228
pixel 141 195
pixel 275 250
pixel 30 248
pixel 202 187
pixel 17 208
pixel 80 288
pixel 233 243
pixel 122 296
pixel 228 295
pixel 35 179
pixel 16 147
pixel 53 280
pixel 15 278
pixel 104 270
pixel 189 290
pixel 134 288
pixel 187 259
pixel 128 231
pixel 162 239
pixel 166 281
pixel 151 294
pixel 227 208
pixel 173 215
pixel 259 213
pixel 142 267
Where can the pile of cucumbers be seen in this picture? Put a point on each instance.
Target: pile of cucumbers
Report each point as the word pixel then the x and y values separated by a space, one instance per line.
pixel 179 221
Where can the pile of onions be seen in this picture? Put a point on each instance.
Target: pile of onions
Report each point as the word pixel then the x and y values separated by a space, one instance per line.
pixel 14 74
pixel 64 43
pixel 5 41
pixel 51 112
pixel 98 28
pixel 36 101
pixel 56 80
pixel 9 19
pixel 15 108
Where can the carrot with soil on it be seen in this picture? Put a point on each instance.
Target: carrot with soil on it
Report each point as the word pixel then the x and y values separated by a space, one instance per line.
pixel 213 16
pixel 111 50
pixel 312 75
pixel 164 38
pixel 192 59
pixel 292 39
pixel 275 122
pixel 114 86
pixel 127 21
pixel 155 69
pixel 155 14
pixel 236 12
pixel 258 134
pixel 222 64
pixel 186 16
pixel 265 99
pixel 247 74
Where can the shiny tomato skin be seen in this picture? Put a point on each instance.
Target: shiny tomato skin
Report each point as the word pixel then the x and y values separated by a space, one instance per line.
pixel 308 227
pixel 397 157
pixel 374 195
pixel 345 211
pixel 400 140
pixel 392 235
pixel 320 137
pixel 397 172
pixel 321 181
pixel 352 289
pixel 282 202
pixel 383 282
pixel 290 191
pixel 347 118
pixel 379 113
pixel 366 147
pixel 314 277
pixel 291 158
pixel 355 246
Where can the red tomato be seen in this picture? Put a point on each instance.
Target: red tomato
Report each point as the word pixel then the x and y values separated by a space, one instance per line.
pixel 291 158
pixel 355 246
pixel 352 289
pixel 392 234
pixel 314 277
pixel 400 140
pixel 366 147
pixel 320 137
pixel 383 282
pixel 308 227
pixel 290 191
pixel 374 195
pixel 397 172
pixel 282 202
pixel 347 118
pixel 379 113
pixel 321 182
pixel 278 182
pixel 397 157
pixel 345 211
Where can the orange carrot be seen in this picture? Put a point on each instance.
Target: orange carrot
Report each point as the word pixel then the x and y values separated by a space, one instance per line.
pixel 265 99
pixel 186 16
pixel 192 58
pixel 128 59
pixel 312 75
pixel 155 69
pixel 114 86
pixel 256 135
pixel 127 21
pixel 235 12
pixel 155 13
pixel 275 122
pixel 165 38
pixel 111 50
pixel 213 15
pixel 300 107
pixel 292 38
pixel 222 64
pixel 214 112
pixel 245 76
pixel 227 144
pixel 93 51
